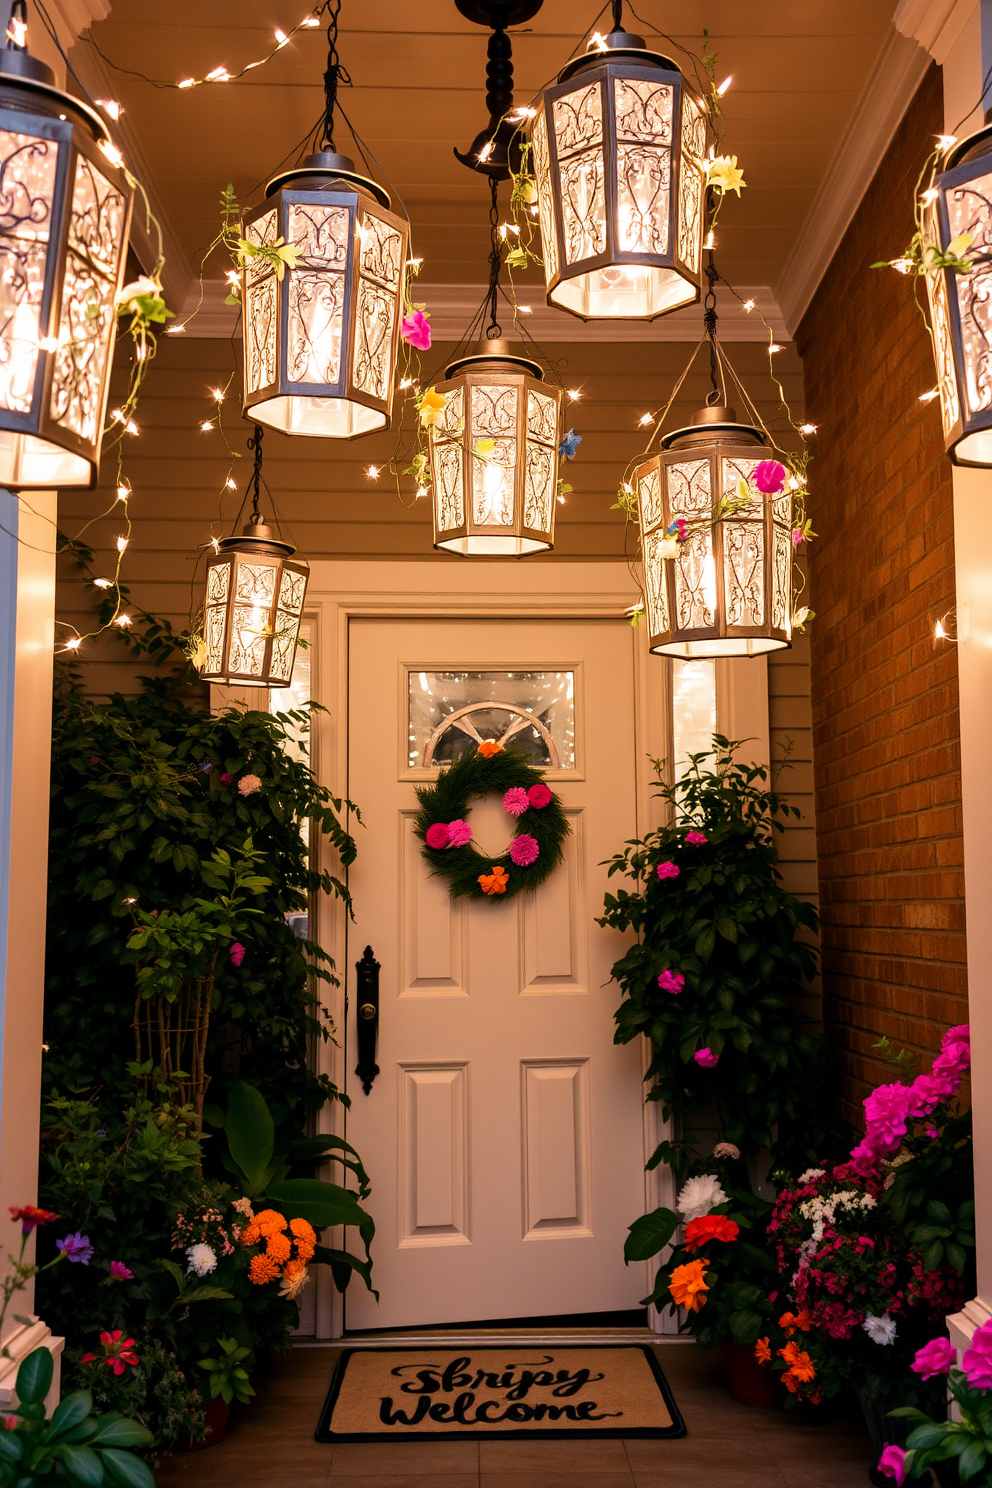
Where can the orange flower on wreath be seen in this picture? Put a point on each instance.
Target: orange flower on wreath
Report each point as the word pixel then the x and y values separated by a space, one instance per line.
pixel 795 1321
pixel 489 747
pixel 762 1351
pixel 710 1227
pixel 687 1285
pixel 495 882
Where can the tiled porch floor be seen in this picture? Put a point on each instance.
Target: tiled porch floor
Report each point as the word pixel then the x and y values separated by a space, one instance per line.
pixel 727 1446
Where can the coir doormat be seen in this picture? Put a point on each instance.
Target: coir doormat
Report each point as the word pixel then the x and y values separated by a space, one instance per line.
pixel 418 1394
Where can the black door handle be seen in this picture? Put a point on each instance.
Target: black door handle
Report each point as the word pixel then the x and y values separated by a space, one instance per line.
pixel 367 1027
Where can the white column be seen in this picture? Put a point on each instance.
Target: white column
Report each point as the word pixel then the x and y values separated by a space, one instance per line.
pixel 27 633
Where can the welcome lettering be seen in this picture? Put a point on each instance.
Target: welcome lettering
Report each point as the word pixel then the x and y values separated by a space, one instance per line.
pixel 515 1382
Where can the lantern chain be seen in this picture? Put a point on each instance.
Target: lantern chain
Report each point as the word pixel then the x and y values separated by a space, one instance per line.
pixel 255 443
pixel 335 76
pixel 618 15
pixel 18 27
pixel 709 328
pixel 494 329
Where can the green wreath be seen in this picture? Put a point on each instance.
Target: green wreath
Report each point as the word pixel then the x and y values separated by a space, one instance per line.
pixel 538 842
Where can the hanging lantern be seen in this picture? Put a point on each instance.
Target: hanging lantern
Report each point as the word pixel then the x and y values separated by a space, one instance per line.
pixel 727 589
pixel 618 151
pixel 494 456
pixel 961 304
pixel 255 590
pixel 65 207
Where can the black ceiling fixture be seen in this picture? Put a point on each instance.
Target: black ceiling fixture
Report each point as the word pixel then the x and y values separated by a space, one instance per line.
pixel 499 16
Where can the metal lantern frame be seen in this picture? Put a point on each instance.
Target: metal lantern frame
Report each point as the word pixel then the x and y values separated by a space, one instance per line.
pixel 618 155
pixel 728 589
pixel 64 221
pixel 496 395
pixel 961 304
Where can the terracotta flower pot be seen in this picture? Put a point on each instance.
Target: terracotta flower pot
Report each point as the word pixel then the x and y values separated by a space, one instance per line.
pixel 216 1413
pixel 750 1383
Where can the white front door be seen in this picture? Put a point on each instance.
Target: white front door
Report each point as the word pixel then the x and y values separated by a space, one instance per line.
pixel 504 1132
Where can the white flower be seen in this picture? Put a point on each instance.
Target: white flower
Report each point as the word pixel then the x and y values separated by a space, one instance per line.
pixel 290 1286
pixel 668 547
pixel 249 784
pixel 700 1195
pixel 726 1149
pixel 243 1206
pixel 201 1260
pixel 142 286
pixel 882 1329
pixel 810 1174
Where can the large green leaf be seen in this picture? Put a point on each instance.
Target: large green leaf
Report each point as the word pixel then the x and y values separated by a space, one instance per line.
pixel 34 1377
pixel 82 1464
pixel 125 1469
pixel 321 1203
pixel 73 1409
pixel 250 1133
pixel 649 1234
pixel 342 1264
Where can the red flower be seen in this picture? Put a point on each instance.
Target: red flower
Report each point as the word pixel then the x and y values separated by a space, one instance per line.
pixel 710 1227
pixel 118 1351
pixel 29 1216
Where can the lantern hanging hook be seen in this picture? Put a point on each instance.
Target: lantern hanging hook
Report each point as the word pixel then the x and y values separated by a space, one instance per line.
pixel 618 15
pixel 255 443
pixel 494 330
pixel 713 397
pixel 335 76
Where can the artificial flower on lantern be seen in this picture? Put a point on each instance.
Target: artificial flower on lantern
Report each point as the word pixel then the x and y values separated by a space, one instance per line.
pixel 723 175
pixel 569 445
pixel 430 406
pixel 415 329
pixel 143 298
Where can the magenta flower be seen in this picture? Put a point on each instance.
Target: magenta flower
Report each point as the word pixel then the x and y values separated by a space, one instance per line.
pixel 76 1248
pixel 416 329
pixel 696 839
pixel 769 477
pixel 668 870
pixel 671 981
pixel 459 832
pixel 797 537
pixel 893 1463
pixel 524 850
pixel 935 1357
pixel 976 1361
pixel 886 1114
pixel 706 1059
pixel 225 778
pixel 237 953
pixel 926 1094
pixel 516 800
pixel 120 1272
pixel 539 796
pixel 437 835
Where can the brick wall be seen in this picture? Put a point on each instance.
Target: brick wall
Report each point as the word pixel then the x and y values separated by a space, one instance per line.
pixel 884 697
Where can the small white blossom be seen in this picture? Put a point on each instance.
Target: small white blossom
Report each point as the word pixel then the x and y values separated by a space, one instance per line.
pixel 243 1206
pixel 810 1174
pixel 291 1286
pixel 881 1330
pixel 726 1149
pixel 700 1195
pixel 201 1260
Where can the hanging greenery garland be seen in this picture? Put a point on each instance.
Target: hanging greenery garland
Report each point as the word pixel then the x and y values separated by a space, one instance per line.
pixel 537 845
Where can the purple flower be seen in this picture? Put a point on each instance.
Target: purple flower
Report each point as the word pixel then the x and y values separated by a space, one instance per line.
pixel 769 477
pixel 524 850
pixel 237 953
pixel 225 778
pixel 696 839
pixel 459 833
pixel 668 870
pixel 120 1272
pixel 569 445
pixel 935 1357
pixel 416 329
pixel 706 1059
pixel 893 1463
pixel 671 981
pixel 76 1248
pixel 437 835
pixel 516 801
pixel 205 766
pixel 976 1361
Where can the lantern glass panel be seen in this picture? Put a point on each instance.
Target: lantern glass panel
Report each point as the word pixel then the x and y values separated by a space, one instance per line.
pixel 545 207
pixel 743 572
pixel 316 292
pixel 448 480
pixel 27 169
pixel 689 489
pixel 950 407
pixel 969 209
pixel 782 579
pixel 656 585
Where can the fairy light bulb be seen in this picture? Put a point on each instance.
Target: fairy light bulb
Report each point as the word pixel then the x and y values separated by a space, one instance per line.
pixel 121 544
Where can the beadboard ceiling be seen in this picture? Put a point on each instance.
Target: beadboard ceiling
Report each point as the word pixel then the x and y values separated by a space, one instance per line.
pixel 800 70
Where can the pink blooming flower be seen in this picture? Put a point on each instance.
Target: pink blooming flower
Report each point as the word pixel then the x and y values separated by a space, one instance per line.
pixel 416 329
pixel 524 850
pixel 249 784
pixel 237 953
pixel 935 1357
pixel 797 537
pixel 225 778
pixel 516 800
pixel 926 1094
pixel 459 832
pixel 893 1463
pixel 886 1114
pixel 769 477
pixel 706 1058
pixel 931 1132
pixel 120 1272
pixel 539 795
pixel 671 981
pixel 696 839
pixel 437 835
pixel 976 1361
pixel 668 870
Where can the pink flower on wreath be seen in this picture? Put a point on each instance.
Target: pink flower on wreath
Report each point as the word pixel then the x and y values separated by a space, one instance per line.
pixel 696 839
pixel 976 1361
pixel 524 850
pixel 459 832
pixel 516 800
pixel 893 1463
pixel 437 835
pixel 539 796
pixel 416 329
pixel 934 1358
pixel 671 981
pixel 237 953
pixel 769 477
pixel 668 870
pixel 706 1059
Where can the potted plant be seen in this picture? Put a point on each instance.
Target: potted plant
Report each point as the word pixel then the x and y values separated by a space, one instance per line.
pixel 960 1450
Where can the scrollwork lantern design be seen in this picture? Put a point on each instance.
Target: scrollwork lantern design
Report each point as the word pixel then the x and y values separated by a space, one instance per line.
pixel 65 207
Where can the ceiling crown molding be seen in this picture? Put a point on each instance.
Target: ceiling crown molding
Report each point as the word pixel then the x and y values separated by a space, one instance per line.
pixel 898 71
pixel 935 24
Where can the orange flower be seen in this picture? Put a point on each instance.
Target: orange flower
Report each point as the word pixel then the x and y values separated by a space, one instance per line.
pixel 801 1366
pixel 489 747
pixel 710 1227
pixel 279 1248
pixel 790 1321
pixel 687 1284
pixel 266 1222
pixel 303 1230
pixel 262 1269
pixel 495 882
pixel 762 1351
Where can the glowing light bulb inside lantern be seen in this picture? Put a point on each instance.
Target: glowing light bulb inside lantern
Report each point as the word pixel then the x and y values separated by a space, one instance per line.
pixel 493 506
pixel 709 584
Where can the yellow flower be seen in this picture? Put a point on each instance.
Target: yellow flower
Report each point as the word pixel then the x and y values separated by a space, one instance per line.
pixel 484 447
pixel 960 245
pixel 722 174
pixel 688 1284
pixel 431 406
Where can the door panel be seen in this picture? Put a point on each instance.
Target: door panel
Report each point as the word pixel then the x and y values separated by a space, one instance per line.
pixel 504 1134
